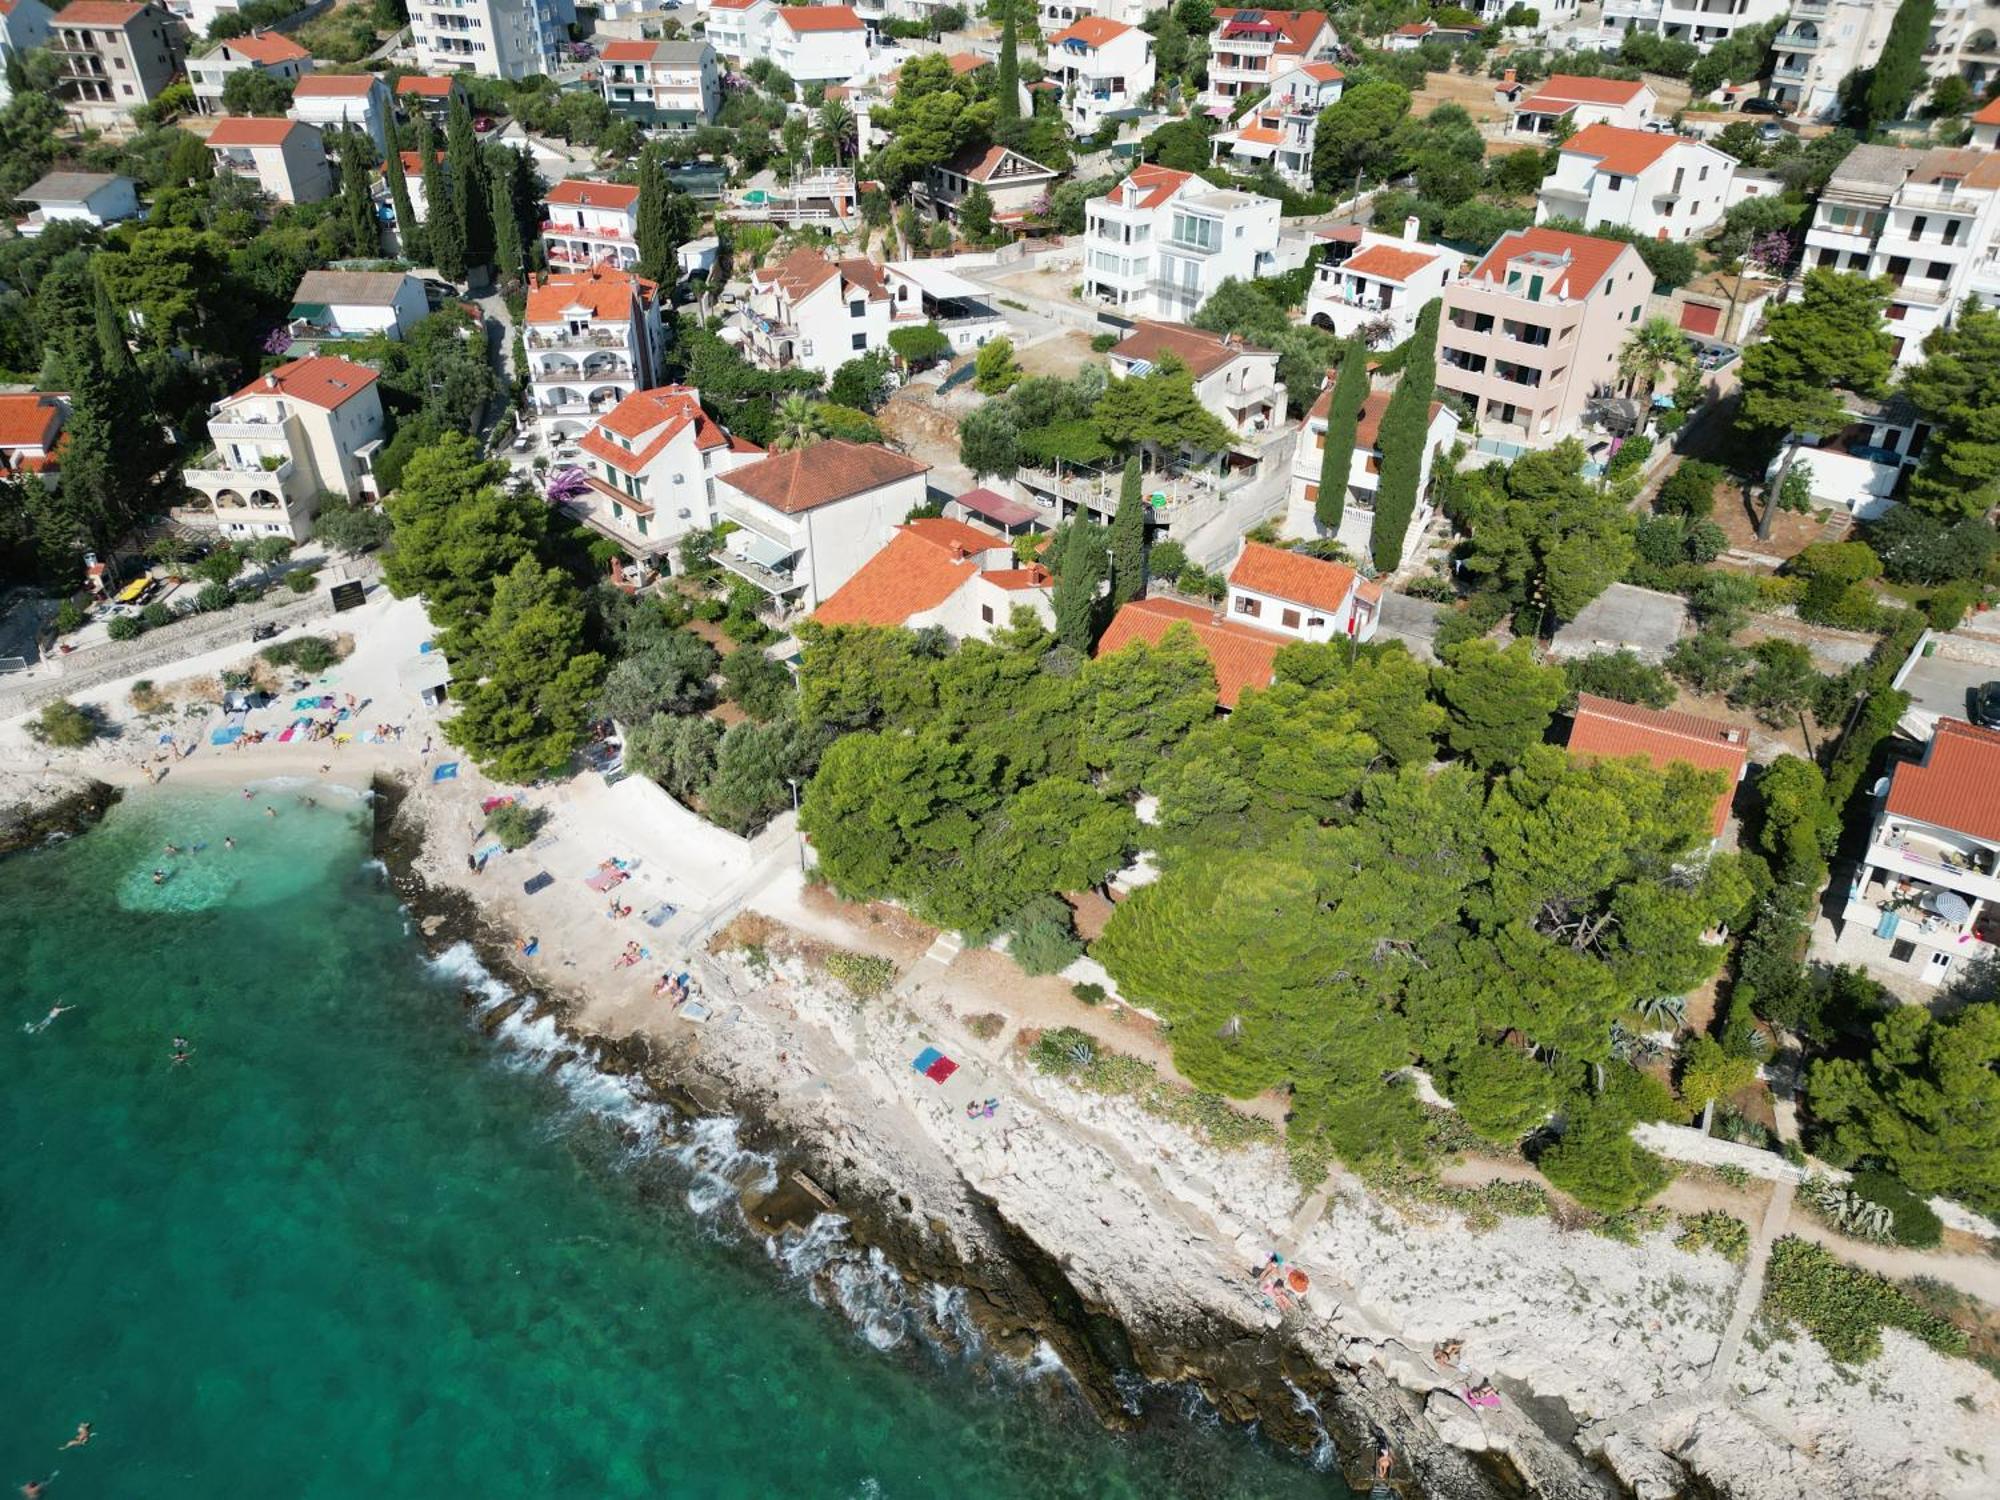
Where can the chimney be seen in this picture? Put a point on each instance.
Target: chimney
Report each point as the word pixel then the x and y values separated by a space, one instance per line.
pixel 1411 228
pixel 271 381
pixel 1507 79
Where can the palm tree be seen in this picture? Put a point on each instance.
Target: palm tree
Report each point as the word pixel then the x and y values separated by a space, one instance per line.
pixel 797 422
pixel 1653 346
pixel 836 125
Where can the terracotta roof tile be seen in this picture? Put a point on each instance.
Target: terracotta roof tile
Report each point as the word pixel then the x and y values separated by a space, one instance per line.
pixel 1957 783
pixel 1201 351
pixel 413 165
pixel 925 563
pixel 97 13
pixel 334 86
pixel 1322 72
pixel 29 420
pixel 424 88
pixel 968 62
pixel 1241 657
pixel 1156 182
pixel 1259 135
pixel 1293 576
pixel 1624 152
pixel 1564 91
pixel 573 192
pixel 1090 31
pixel 1604 729
pixel 267 48
pixel 1297 29
pixel 608 294
pixel 627 51
pixel 1034 576
pixel 320 380
pixel 1416 28
pixel 1388 262
pixel 810 19
pixel 1989 114
pixel 807 478
pixel 659 415
pixel 244 130
pixel 1590 259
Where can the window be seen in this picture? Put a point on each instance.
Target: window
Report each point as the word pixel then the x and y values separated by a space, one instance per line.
pixel 1313 622
pixel 1245 605
pixel 857 309
pixel 1917 226
pixel 859 341
pixel 986 613
pixel 1637 313
pixel 1940 270
pixel 1290 619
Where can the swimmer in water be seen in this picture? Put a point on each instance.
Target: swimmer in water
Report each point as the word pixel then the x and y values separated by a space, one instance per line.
pixel 82 1437
pixel 228 843
pixel 159 877
pixel 36 1027
pixel 270 812
pixel 173 849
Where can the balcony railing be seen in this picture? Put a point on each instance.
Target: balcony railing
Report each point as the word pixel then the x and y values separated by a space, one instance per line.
pixel 594 338
pixel 1942 200
pixel 1796 41
pixel 608 233
pixel 1791 70
pixel 214 467
pixel 770 580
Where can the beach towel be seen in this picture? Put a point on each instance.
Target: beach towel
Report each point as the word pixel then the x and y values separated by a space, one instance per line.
pixel 482 855
pixel 925 1058
pixel 660 915
pixel 446 772
pixel 299 703
pixel 286 737
pixel 226 736
pixel 934 1065
pixel 166 737
pixel 604 880
pixel 693 1010
pixel 489 803
pixel 541 880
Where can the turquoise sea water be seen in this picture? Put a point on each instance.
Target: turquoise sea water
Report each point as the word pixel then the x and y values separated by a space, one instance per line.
pixel 354 1247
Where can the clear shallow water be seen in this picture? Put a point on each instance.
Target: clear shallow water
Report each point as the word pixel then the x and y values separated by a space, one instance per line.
pixel 353 1247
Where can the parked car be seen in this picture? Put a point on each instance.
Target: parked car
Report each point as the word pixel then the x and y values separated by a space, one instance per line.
pixel 1761 106
pixel 1986 705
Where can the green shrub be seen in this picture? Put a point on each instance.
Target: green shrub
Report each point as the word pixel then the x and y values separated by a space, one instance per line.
pixel 1844 1308
pixel 865 975
pixel 1690 490
pixel 1632 453
pixel 1714 1230
pixel 1044 941
pixel 1599 1164
pixel 124 628
pixel 1947 605
pixel 154 615
pixel 1917 1225
pixel 64 725
pixel 214 597
pixel 1067 1052
pixel 1101 343
pixel 1089 993
pixel 515 825
pixel 1622 676
pixel 69 617
pixel 301 581
pixel 309 653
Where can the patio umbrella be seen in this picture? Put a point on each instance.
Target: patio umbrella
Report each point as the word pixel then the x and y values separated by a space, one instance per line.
pixel 1950 905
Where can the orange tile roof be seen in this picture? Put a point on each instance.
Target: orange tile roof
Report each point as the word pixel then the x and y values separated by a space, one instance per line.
pixel 1201 351
pixel 1297 28
pixel 1157 182
pixel 320 380
pixel 731 4
pixel 1989 114
pixel 807 478
pixel 98 13
pixel 1563 91
pixel 909 576
pixel 1388 262
pixel 805 271
pixel 1590 259
pixel 30 420
pixel 1604 729
pixel 1368 426
pixel 335 86
pixel 1323 72
pixel 1625 152
pixel 1957 783
pixel 1034 576
pixel 664 412
pixel 606 293
pixel 1293 576
pixel 1091 31
pixel 968 62
pixel 574 192
pixel 245 130
pixel 627 51
pixel 425 88
pixel 1259 135
pixel 809 19
pixel 1974 166
pixel 267 47
pixel 1241 656
pixel 1416 28
pixel 413 164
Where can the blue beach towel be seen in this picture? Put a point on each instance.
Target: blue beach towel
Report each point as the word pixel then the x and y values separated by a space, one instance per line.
pixel 446 772
pixel 228 735
pixel 925 1060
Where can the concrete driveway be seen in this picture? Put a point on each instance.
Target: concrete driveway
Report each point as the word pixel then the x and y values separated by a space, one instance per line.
pixel 1940 686
pixel 1624 618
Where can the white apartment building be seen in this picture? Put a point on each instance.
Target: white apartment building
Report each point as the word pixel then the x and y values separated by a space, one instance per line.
pixel 819 313
pixel 1161 241
pixel 1702 22
pixel 114 57
pixel 818 43
pixel 1535 331
pixel 662 85
pixel 24 26
pixel 1926 898
pixel 1056 15
pixel 1375 285
pixel 1925 220
pixel 593 338
pixel 1303 598
pixel 959 577
pixel 810 519
pixel 1249 50
pixel 1656 185
pixel 591 224
pixel 738 29
pixel 511 39
pixel 1279 132
pixel 1104 70
pixel 1566 98
pixel 269 52
pixel 307 428
pixel 345 101
pixel 285 158
pixel 923 291
pixel 98 198
pixel 649 467
pixel 1357 514
pixel 1823 41
pixel 1236 382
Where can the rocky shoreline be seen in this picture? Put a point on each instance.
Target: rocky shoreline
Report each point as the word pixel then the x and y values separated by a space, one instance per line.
pixel 1017 1292
pixel 46 810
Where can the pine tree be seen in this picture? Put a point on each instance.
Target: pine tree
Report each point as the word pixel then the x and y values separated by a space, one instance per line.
pixel 1343 415
pixel 409 234
pixel 446 229
pixel 1128 539
pixel 1079 571
pixel 1007 124
pixel 468 181
pixel 1405 429
pixel 357 206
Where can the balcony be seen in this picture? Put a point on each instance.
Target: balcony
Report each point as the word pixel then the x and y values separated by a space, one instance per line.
pixel 1915 293
pixel 1193 247
pixel 580 338
pixel 1941 199
pixel 768 529
pixel 1791 40
pixel 580 231
pixel 1793 70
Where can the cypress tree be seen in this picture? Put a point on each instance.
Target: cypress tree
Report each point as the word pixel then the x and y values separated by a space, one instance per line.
pixel 468 181
pixel 664 220
pixel 357 207
pixel 1007 97
pixel 1128 539
pixel 1899 73
pixel 1404 426
pixel 1343 415
pixel 1079 570
pixel 510 239
pixel 445 229
pixel 409 234
pixel 112 348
